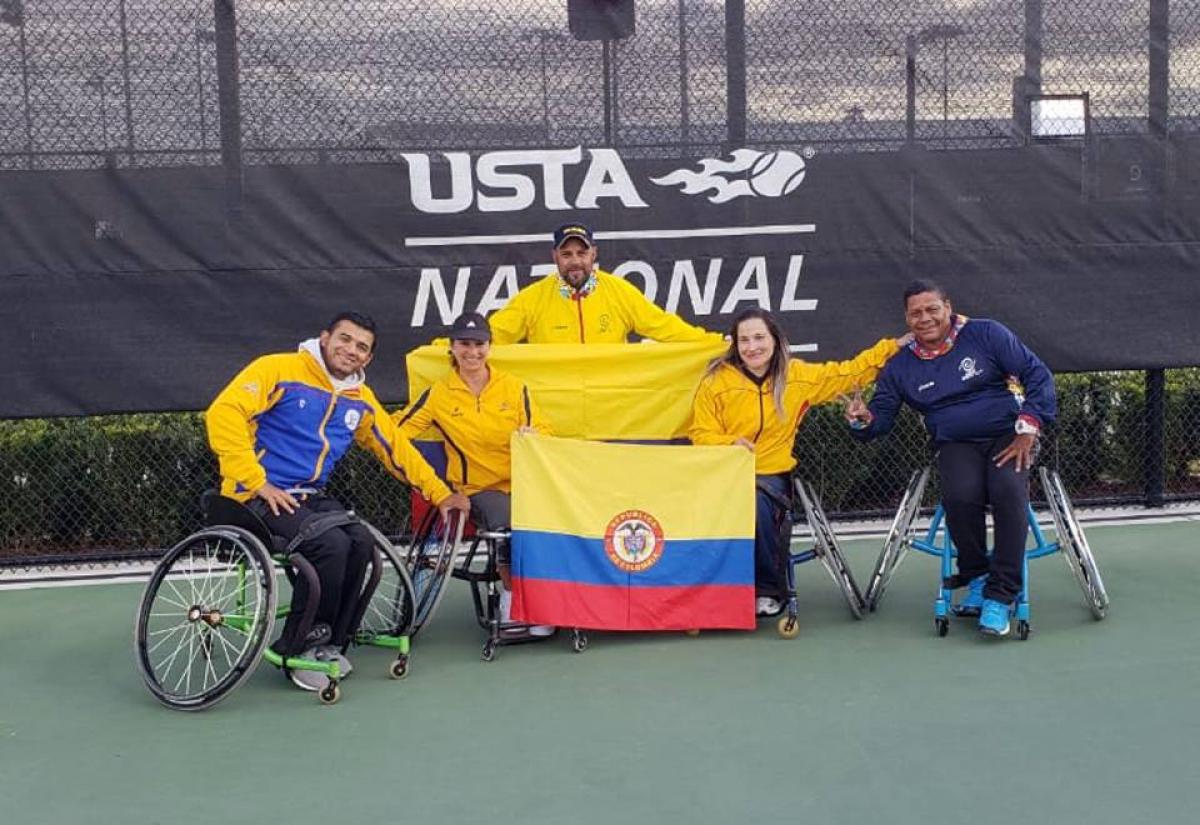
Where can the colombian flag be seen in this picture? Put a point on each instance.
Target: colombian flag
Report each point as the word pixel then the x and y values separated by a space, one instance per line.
pixel 632 536
pixel 622 392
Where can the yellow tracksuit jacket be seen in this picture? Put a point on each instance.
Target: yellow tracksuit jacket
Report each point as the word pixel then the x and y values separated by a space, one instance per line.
pixel 730 406
pixel 476 429
pixel 281 420
pixel 539 314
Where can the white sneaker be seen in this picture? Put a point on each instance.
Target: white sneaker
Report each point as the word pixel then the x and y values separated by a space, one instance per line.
pixel 767 606
pixel 506 618
pixel 309 680
pixel 330 653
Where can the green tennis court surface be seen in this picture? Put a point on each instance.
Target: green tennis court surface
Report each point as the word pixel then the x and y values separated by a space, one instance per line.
pixel 854 722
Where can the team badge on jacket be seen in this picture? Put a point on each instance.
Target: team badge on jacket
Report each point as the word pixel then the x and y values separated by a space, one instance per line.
pixel 968 369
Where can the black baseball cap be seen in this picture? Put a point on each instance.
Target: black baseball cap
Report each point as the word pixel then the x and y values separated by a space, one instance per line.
pixel 573 230
pixel 470 326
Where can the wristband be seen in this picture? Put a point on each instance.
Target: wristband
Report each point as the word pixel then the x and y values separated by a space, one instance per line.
pixel 1026 425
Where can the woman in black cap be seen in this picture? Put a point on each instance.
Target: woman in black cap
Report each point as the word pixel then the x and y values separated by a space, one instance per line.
pixel 476 408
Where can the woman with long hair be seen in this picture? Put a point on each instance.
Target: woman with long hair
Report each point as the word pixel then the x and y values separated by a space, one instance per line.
pixel 755 396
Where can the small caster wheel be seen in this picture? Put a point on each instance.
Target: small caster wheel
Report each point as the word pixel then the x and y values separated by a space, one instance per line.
pixel 489 652
pixel 1022 630
pixel 330 694
pixel 692 631
pixel 788 627
pixel 399 668
pixel 942 624
pixel 579 642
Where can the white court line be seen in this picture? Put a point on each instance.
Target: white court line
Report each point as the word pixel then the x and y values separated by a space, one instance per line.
pixel 872 530
pixel 620 235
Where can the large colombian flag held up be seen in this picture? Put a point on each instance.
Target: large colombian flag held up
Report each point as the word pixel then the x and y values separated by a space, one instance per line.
pixel 632 536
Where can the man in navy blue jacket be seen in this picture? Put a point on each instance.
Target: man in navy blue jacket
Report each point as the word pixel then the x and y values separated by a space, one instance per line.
pixel 984 397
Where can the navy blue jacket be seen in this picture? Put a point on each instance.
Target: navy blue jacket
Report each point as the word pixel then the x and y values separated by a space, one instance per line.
pixel 964 394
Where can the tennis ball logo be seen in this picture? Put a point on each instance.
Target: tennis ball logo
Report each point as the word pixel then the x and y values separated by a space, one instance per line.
pixel 775 174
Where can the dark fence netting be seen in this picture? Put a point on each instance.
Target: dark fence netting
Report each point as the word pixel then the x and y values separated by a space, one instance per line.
pixel 126 486
pixel 186 184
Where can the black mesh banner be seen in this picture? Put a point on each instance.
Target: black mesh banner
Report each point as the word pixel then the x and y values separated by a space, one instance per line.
pixel 139 290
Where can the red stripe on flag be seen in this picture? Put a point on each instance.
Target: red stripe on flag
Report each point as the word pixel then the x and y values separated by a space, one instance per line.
pixel 594 607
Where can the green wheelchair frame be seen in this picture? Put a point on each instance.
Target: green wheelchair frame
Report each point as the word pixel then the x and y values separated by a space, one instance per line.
pixel 207 613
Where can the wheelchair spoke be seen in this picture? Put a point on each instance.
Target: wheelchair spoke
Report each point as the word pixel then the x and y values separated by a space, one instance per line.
pixel 205 617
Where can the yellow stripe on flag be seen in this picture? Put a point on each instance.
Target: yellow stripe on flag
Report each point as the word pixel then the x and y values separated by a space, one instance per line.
pixel 601 391
pixel 578 487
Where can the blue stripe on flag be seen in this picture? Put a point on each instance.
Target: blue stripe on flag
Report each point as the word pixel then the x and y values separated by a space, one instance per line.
pixel 684 562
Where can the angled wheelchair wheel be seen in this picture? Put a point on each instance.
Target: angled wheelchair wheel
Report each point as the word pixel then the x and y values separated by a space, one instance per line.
pixel 205 617
pixel 828 549
pixel 895 545
pixel 1073 545
pixel 429 554
pixel 392 608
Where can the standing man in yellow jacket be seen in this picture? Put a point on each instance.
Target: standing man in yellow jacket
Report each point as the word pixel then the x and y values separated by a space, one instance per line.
pixel 278 429
pixel 580 304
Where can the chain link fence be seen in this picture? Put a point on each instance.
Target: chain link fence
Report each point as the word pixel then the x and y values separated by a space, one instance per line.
pixel 86 83
pixel 145 83
pixel 121 486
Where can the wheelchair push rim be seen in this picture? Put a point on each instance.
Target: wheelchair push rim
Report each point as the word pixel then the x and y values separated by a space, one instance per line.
pixel 829 551
pixel 895 546
pixel 391 610
pixel 430 558
pixel 205 617
pixel 1073 544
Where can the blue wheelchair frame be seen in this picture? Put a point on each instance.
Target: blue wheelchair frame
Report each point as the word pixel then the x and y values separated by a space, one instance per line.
pixel 936 541
pixel 946 551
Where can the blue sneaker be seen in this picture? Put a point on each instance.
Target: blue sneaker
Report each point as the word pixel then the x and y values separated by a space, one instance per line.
pixel 993 618
pixel 972 603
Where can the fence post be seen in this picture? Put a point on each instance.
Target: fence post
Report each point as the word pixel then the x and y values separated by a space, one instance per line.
pixel 1155 454
pixel 1160 67
pixel 1030 81
pixel 126 83
pixel 735 72
pixel 228 96
pixel 910 89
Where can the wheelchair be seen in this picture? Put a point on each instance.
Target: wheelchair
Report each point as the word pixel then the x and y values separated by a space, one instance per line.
pixel 824 547
pixel 935 541
pixel 429 555
pixel 479 569
pixel 206 615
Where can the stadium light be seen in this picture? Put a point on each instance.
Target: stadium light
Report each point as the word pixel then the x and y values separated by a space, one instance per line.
pixel 1054 117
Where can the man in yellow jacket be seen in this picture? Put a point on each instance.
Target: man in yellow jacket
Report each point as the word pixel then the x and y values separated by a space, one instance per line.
pixel 580 304
pixel 278 430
